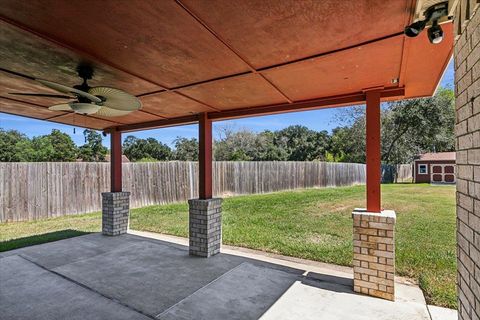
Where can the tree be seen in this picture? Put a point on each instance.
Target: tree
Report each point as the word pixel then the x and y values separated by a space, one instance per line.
pixel 235 146
pixel 137 149
pixel 14 146
pixel 419 125
pixel 56 147
pixel 186 149
pixel 93 149
pixel 245 145
pixel 409 127
pixel 267 150
pixel 302 144
pixel 347 143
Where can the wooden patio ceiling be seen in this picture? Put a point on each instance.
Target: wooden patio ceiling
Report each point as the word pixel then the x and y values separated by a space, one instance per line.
pixel 225 58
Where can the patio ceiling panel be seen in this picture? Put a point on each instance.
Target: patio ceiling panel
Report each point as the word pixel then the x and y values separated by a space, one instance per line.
pixel 231 93
pixel 271 32
pixel 29 54
pixel 171 104
pixel 13 83
pixel 426 63
pixel 25 53
pixel 345 71
pixel 158 40
pixel 28 110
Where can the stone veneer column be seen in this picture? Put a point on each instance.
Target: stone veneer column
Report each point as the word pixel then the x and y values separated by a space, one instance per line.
pixel 115 211
pixel 205 224
pixel 374 253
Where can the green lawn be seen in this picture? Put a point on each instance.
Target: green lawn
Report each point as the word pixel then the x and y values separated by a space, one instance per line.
pixel 313 224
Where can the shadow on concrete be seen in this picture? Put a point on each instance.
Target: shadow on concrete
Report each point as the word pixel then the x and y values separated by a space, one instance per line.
pixel 39 239
pixel 329 282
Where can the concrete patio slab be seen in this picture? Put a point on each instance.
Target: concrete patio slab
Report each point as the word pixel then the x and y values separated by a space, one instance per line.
pixel 138 277
pixel 28 291
pixel 256 289
pixel 148 276
pixel 333 300
pixel 58 253
pixel 439 313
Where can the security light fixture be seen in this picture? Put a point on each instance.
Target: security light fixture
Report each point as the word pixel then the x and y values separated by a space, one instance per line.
pixel 415 28
pixel 435 33
pixel 432 14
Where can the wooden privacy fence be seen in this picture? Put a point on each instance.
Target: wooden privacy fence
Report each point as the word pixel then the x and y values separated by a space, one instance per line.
pixel 397 173
pixel 30 191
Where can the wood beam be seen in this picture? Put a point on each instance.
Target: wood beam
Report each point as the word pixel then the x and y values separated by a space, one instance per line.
pixel 116 161
pixel 155 124
pixel 205 190
pixel 373 151
pixel 327 102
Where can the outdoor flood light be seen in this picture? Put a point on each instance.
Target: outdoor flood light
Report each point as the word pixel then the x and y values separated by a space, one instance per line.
pixel 433 14
pixel 415 28
pixel 435 33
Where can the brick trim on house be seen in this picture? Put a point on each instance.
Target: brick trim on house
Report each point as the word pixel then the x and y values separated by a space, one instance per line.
pixel 467 128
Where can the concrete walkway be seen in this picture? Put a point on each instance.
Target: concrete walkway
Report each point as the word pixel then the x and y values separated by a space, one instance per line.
pixel 137 277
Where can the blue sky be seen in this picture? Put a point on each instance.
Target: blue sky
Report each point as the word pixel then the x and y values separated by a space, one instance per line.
pixel 316 120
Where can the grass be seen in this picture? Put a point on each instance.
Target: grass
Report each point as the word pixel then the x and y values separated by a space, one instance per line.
pixel 313 224
pixel 21 234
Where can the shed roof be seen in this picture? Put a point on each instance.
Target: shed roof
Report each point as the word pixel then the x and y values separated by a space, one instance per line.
pixel 226 58
pixel 438 156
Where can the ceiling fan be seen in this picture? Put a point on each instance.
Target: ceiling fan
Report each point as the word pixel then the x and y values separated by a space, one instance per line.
pixel 101 101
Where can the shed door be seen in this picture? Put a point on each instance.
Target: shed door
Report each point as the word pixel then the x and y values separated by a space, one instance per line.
pixel 442 173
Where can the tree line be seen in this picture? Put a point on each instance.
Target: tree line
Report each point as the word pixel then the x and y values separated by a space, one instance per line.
pixel 54 147
pixel 409 127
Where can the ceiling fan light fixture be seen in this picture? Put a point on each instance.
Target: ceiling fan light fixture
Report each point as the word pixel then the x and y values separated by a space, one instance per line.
pixel 84 108
pixel 101 101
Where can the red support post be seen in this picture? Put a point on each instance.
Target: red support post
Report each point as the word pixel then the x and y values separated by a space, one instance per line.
pixel 116 161
pixel 205 156
pixel 373 151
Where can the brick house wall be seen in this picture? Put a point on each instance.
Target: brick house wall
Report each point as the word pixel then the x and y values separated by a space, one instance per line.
pixel 467 85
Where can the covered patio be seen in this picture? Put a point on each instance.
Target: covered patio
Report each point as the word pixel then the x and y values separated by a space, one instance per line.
pixel 196 62
pixel 138 277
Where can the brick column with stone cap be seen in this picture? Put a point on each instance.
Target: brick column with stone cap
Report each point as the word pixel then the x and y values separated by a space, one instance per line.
pixel 205 224
pixel 374 253
pixel 115 211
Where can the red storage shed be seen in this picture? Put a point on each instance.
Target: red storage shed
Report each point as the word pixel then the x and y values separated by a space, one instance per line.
pixel 435 168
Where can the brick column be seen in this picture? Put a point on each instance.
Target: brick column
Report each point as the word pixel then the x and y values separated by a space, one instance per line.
pixel 115 211
pixel 205 223
pixel 374 253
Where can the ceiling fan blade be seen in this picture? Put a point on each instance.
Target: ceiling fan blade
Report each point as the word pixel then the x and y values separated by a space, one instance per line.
pixel 117 99
pixel 110 112
pixel 47 95
pixel 65 89
pixel 60 107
